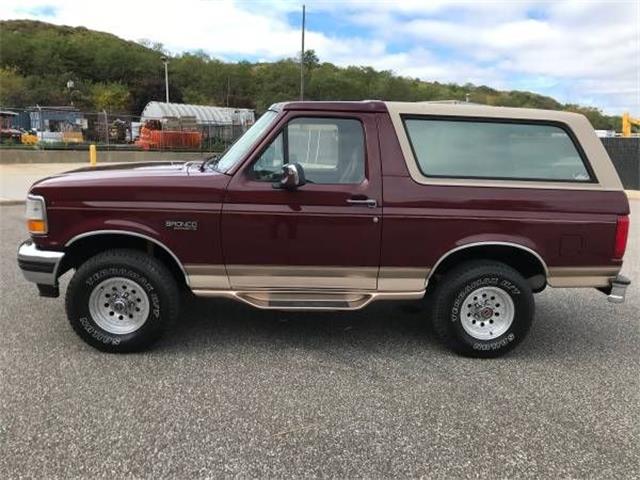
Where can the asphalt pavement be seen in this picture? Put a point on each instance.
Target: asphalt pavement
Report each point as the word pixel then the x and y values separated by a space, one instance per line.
pixel 16 178
pixel 236 392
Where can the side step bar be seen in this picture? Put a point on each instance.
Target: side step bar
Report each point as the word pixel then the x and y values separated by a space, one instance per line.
pixel 308 300
pixel 293 300
pixel 309 304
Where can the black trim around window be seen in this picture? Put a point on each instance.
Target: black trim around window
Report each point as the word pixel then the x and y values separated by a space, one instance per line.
pixel 552 123
pixel 285 144
pixel 284 130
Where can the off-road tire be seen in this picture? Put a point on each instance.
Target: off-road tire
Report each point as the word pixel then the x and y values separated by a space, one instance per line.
pixel 457 284
pixel 158 284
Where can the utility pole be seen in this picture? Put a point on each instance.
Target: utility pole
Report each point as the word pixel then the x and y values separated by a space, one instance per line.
pixel 165 60
pixel 302 58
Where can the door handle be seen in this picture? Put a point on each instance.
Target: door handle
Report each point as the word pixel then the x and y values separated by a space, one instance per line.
pixel 369 202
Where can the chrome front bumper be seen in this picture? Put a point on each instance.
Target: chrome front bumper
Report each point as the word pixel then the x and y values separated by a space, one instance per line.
pixel 39 266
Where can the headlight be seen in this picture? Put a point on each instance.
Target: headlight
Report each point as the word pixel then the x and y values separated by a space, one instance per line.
pixel 36 215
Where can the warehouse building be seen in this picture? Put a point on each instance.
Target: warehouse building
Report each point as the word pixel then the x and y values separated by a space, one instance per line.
pixel 183 126
pixel 203 114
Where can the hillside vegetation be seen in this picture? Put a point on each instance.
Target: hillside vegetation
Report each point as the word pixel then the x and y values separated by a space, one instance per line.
pixel 38 59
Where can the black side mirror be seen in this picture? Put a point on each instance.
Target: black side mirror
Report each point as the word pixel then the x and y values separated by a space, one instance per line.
pixel 292 177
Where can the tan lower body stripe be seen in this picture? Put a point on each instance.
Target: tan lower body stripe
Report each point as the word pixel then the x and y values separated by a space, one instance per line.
pixel 392 279
pixel 567 277
pixel 384 279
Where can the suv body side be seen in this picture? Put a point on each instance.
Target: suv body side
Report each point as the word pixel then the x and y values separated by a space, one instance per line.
pixel 251 236
pixel 364 219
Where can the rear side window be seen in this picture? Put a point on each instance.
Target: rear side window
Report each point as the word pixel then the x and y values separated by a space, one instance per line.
pixel 494 150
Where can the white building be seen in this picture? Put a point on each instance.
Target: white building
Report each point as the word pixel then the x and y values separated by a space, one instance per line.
pixel 203 114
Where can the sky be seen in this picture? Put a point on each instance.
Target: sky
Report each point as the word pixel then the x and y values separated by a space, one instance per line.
pixel 585 52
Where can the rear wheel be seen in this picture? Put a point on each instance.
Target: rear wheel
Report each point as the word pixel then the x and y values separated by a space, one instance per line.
pixel 121 300
pixel 482 309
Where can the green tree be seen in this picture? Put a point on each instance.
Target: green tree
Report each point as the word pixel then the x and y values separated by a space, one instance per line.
pixel 311 60
pixel 112 97
pixel 37 59
pixel 13 89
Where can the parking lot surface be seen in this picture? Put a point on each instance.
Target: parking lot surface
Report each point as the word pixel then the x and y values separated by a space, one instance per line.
pixel 235 392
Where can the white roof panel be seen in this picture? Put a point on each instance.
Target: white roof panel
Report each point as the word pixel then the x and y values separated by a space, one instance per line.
pixel 204 114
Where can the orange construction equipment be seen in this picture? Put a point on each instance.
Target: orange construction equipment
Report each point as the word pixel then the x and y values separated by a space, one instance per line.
pixel 627 121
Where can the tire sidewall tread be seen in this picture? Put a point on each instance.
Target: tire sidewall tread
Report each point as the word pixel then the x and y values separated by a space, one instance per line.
pixel 458 284
pixel 148 272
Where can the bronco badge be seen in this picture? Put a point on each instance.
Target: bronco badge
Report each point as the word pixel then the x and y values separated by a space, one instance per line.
pixel 181 224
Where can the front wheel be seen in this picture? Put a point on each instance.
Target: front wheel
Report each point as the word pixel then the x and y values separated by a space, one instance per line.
pixel 121 300
pixel 482 309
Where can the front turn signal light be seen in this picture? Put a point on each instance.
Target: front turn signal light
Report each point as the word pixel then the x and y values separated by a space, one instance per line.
pixel 36 213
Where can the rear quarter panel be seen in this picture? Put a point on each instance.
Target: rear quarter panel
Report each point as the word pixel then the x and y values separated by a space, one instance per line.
pixel 568 228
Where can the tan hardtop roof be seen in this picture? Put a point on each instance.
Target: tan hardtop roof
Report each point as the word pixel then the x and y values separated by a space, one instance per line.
pixel 605 173
pixel 476 110
pixel 437 107
pixel 607 178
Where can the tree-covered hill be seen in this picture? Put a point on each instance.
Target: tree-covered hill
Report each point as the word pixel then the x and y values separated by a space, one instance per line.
pixel 38 59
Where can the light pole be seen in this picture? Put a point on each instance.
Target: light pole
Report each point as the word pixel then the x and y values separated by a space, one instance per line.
pixel 70 85
pixel 302 57
pixel 165 60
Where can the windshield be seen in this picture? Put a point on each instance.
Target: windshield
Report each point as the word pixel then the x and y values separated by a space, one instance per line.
pixel 239 149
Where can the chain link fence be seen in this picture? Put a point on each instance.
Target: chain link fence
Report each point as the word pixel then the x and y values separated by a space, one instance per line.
pixel 70 128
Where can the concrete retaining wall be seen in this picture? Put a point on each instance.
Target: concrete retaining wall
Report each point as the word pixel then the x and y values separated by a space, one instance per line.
pixel 625 155
pixel 79 156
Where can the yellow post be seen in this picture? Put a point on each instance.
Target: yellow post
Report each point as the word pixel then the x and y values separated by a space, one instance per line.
pixel 93 156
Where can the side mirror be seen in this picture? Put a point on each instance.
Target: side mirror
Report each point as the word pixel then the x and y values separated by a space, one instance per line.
pixel 292 177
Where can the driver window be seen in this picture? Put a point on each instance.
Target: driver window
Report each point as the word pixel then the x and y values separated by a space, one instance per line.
pixel 331 151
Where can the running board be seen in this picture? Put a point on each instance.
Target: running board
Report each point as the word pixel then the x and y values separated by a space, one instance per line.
pixel 308 300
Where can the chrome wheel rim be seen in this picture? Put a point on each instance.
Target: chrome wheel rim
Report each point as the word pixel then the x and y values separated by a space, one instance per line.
pixel 487 313
pixel 119 305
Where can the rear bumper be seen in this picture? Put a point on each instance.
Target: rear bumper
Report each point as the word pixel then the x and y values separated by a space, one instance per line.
pixel 39 266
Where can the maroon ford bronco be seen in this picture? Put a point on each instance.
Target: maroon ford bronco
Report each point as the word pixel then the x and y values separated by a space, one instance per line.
pixel 333 205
